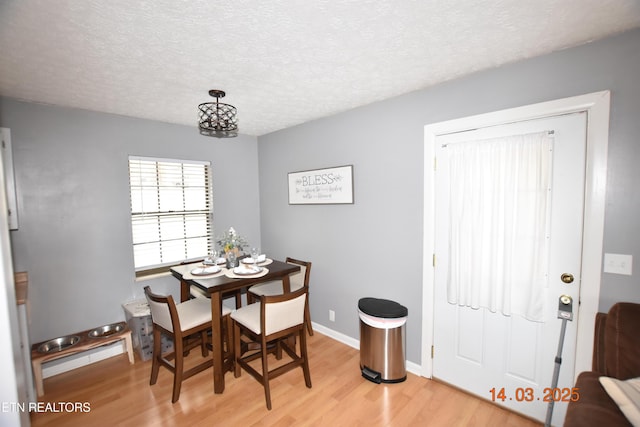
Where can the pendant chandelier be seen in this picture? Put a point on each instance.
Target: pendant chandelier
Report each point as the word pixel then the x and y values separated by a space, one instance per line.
pixel 218 119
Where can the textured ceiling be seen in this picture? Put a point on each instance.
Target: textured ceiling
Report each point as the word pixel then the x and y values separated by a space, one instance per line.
pixel 281 62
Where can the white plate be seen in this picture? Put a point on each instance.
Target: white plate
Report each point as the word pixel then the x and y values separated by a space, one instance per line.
pixel 205 271
pixel 246 270
pixel 219 261
pixel 249 260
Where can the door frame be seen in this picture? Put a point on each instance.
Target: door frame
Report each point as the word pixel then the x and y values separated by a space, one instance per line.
pixel 596 105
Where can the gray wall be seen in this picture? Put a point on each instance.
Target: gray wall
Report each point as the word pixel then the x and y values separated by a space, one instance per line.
pixel 382 231
pixel 72 183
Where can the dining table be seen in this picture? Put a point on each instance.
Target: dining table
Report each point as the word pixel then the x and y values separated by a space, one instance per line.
pixel 220 285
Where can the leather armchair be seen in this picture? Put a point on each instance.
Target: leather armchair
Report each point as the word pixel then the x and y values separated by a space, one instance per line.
pixel 616 354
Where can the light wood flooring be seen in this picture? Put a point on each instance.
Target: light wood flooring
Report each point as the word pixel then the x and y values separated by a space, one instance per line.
pixel 119 394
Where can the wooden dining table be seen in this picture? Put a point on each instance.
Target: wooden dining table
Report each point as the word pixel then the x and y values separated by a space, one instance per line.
pixel 217 288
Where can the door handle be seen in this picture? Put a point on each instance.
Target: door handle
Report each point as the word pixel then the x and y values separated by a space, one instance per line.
pixel 567 278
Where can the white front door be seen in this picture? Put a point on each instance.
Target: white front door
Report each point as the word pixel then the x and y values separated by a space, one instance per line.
pixel 508 359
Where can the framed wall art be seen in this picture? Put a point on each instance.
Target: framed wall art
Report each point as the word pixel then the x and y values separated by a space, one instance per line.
pixel 321 186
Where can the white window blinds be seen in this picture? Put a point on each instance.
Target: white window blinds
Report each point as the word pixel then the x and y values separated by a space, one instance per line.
pixel 171 211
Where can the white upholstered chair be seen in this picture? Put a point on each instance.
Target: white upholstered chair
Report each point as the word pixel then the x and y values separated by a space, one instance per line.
pixel 297 281
pixel 272 320
pixel 179 321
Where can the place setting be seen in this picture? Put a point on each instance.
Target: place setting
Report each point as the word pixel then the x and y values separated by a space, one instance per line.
pixel 212 266
pixel 214 259
pixel 253 266
pixel 261 259
pixel 204 272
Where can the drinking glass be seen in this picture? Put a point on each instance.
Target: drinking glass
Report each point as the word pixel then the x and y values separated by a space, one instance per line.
pixel 255 253
pixel 231 259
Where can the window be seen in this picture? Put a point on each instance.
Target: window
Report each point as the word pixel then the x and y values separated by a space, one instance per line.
pixel 171 212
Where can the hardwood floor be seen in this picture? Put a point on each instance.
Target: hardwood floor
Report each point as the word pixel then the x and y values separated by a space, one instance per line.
pixel 119 394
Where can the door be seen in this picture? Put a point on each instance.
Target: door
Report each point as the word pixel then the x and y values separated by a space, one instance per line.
pixel 507 358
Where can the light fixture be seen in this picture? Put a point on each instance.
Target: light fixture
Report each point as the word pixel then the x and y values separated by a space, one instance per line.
pixel 218 119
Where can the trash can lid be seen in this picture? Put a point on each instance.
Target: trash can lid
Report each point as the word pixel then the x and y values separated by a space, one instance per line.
pixel 382 308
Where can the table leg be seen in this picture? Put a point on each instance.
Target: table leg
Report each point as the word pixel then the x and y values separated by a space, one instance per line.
pixel 217 341
pixel 184 291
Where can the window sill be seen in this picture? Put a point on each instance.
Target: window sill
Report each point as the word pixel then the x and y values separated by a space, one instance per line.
pixel 152 276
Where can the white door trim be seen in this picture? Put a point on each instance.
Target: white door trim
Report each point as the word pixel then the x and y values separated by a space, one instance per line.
pixel 597 107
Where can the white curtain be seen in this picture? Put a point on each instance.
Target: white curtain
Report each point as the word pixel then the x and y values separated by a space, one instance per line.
pixel 499 203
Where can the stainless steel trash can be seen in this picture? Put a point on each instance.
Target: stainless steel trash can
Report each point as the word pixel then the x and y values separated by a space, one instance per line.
pixel 382 340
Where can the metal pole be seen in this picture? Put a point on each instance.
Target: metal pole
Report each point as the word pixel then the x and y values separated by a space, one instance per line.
pixel 556 373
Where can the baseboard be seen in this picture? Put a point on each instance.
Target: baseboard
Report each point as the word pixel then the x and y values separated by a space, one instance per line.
pixel 88 357
pixel 71 362
pixel 414 368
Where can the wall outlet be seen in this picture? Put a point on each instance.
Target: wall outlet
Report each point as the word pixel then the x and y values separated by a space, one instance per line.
pixel 618 264
pixel 332 315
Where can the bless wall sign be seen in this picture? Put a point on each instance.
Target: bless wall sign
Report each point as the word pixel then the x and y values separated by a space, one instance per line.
pixel 321 186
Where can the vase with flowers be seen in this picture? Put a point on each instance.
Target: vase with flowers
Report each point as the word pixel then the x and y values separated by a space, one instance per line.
pixel 231 244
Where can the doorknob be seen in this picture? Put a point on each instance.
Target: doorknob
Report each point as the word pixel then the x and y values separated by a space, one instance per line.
pixel 567 277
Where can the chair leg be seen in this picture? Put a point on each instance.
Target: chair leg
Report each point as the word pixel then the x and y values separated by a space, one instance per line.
pixel 305 358
pixel 155 356
pixel 228 329
pixel 307 319
pixel 265 373
pixel 236 349
pixel 203 343
pixel 178 364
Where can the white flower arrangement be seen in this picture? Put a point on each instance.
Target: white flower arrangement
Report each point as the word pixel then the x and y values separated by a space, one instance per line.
pixel 231 240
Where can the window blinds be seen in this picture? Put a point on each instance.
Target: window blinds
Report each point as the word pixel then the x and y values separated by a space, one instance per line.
pixel 171 210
